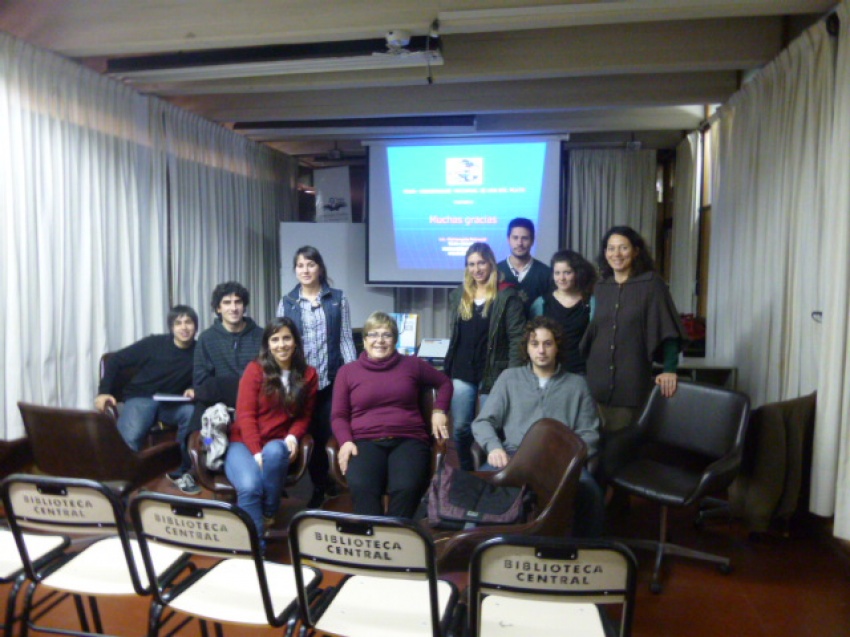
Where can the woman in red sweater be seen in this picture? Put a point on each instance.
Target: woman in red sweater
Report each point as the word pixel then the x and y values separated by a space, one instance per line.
pixel 276 397
pixel 385 444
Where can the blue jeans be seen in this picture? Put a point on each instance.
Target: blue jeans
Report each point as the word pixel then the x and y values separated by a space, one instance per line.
pixel 258 491
pixel 138 415
pixel 464 401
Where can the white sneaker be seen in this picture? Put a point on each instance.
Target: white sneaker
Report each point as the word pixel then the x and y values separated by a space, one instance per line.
pixel 186 484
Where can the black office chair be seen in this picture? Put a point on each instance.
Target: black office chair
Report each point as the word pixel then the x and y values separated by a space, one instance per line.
pixel 681 450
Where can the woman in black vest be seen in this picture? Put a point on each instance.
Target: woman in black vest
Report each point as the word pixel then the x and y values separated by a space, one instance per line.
pixel 323 318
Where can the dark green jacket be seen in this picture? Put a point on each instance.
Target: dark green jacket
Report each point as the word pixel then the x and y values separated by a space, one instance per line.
pixel 507 322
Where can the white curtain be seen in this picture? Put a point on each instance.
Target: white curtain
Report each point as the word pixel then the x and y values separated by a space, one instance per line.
pixel 780 245
pixel 93 249
pixel 227 196
pixel 685 244
pixel 831 463
pixel 82 206
pixel 769 149
pixel 607 188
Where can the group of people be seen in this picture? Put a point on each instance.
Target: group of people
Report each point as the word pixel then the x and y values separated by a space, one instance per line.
pixel 584 358
pixel 278 379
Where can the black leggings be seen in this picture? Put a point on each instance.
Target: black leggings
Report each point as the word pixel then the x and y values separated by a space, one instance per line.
pixel 400 467
pixel 320 429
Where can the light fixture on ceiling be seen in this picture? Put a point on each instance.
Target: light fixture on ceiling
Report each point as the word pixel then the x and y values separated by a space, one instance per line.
pixel 360 127
pixel 397 50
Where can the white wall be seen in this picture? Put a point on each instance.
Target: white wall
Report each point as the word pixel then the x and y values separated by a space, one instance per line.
pixel 343 247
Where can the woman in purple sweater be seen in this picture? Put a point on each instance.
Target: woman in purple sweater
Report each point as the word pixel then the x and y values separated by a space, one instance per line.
pixel 384 443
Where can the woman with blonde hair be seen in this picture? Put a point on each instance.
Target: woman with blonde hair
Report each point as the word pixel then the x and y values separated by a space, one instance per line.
pixel 486 321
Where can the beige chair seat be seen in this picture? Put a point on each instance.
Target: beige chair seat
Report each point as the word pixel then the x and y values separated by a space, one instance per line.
pixel 401 605
pixel 514 617
pixel 215 597
pixel 101 569
pixel 38 546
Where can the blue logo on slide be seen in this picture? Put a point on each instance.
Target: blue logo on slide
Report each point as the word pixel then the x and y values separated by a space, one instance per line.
pixel 464 171
pixel 441 204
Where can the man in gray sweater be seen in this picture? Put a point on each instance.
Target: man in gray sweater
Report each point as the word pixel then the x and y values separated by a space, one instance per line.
pixel 542 389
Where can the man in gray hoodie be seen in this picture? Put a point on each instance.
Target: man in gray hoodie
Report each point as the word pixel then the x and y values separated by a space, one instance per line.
pixel 542 389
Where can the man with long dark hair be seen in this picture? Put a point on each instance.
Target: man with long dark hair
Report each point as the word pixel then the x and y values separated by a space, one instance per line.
pixel 542 388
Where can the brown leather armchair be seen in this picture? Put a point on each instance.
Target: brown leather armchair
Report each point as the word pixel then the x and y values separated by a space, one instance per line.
pixel 549 461
pixel 15 455
pixel 80 443
pixel 218 483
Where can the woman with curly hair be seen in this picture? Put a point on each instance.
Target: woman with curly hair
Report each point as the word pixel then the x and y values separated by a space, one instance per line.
pixel 273 410
pixel 570 304
pixel 635 321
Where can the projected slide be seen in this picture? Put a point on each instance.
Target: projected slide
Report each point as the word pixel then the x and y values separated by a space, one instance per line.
pixel 444 198
pixel 430 199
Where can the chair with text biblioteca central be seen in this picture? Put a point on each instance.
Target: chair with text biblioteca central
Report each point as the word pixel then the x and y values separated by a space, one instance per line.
pixel 107 567
pixel 240 587
pixel 391 588
pixel 520 585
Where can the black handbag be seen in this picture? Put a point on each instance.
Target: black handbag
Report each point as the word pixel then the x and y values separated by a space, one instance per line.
pixel 457 499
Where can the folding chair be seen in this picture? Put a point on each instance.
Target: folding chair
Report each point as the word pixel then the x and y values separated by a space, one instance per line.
pixel 240 588
pixel 522 586
pixel 392 588
pixel 15 455
pixel 40 548
pixel 109 566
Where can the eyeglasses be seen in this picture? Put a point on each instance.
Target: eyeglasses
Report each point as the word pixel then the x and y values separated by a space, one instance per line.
pixel 379 336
